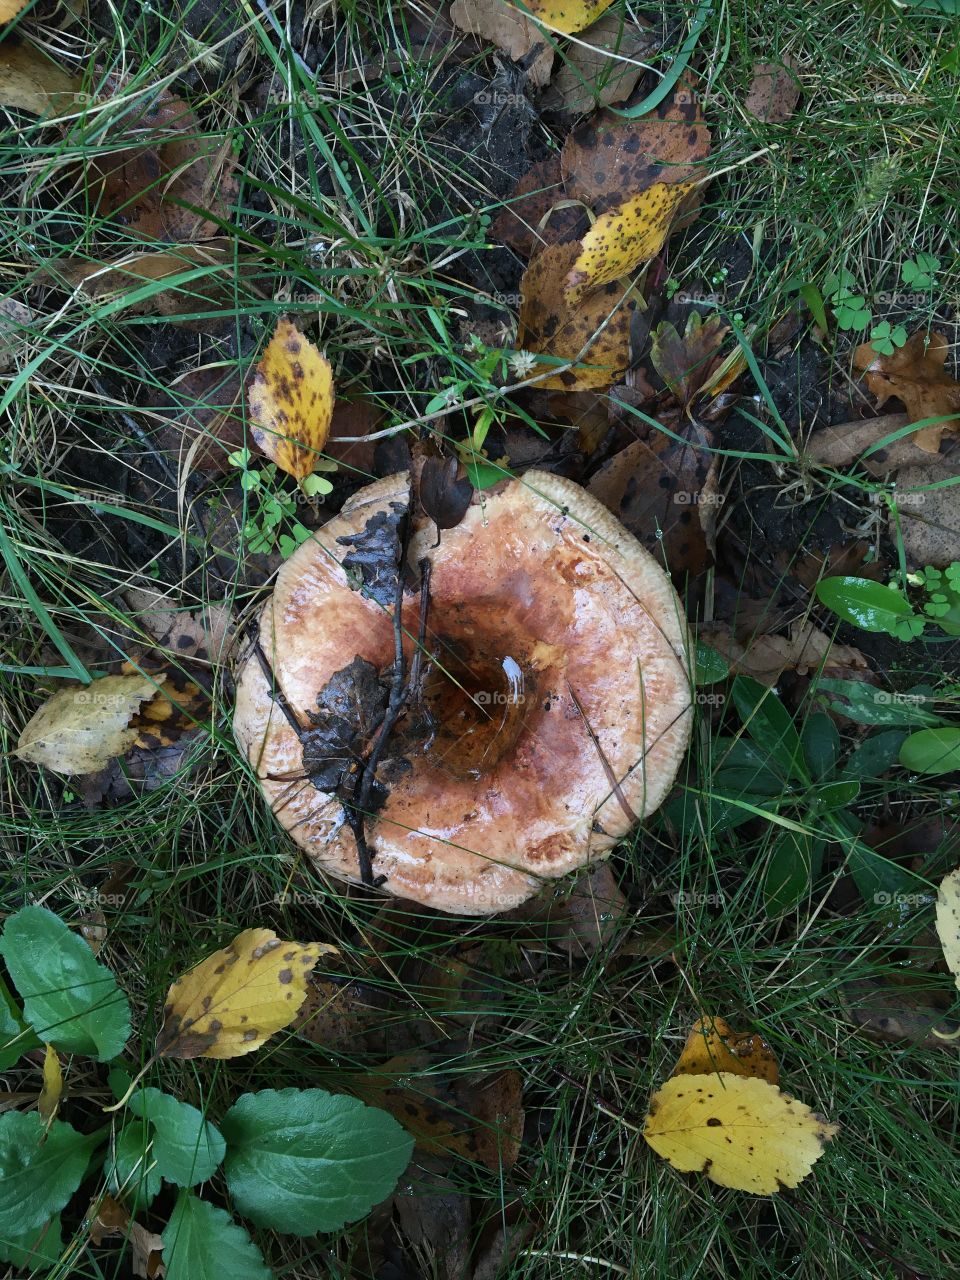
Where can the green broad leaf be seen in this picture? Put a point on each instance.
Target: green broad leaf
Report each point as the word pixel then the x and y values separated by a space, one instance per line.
pixel 303 1160
pixel 483 475
pixel 834 795
pixel 769 724
pixel 875 755
pixel 794 863
pixel 867 705
pixel 69 998
pixel 314 485
pixel 820 739
pixel 881 881
pixel 131 1168
pixel 187 1147
pixel 932 750
pixel 37 1249
pixel 711 665
pixel 38 1174
pixel 866 604
pixel 16 1036
pixel 202 1242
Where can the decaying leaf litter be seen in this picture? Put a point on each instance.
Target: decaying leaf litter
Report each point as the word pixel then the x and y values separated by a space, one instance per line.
pixel 647 399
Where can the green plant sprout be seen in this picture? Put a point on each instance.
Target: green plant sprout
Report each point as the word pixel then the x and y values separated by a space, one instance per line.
pixel 271 506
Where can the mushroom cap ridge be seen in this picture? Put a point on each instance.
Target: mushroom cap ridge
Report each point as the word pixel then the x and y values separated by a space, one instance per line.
pixel 538 575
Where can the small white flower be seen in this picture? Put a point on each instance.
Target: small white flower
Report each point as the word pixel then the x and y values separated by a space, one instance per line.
pixel 522 363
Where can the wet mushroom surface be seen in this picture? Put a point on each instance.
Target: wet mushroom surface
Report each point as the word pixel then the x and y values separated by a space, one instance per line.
pixel 540 707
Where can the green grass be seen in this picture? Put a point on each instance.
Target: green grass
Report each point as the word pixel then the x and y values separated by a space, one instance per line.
pixel 355 214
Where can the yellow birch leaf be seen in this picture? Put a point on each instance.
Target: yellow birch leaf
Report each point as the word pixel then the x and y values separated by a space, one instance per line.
pixel 596 331
pixel 291 401
pixel 625 236
pixel 713 1046
pixel 233 1001
pixel 31 81
pixel 567 16
pixel 49 1098
pixel 10 8
pixel 741 1132
pixel 948 921
pixel 82 727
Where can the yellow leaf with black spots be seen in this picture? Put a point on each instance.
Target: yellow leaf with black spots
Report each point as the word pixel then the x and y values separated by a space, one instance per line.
pixel 595 332
pixel 713 1046
pixel 233 1001
pixel 740 1131
pixel 291 401
pixel 624 237
pixel 567 16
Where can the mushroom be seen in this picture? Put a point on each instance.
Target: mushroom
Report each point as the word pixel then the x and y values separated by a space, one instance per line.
pixel 551 713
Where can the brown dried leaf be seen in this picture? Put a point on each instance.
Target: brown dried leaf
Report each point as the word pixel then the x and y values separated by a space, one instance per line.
pixel 766 657
pixel 444 496
pixel 550 324
pixel 204 422
pixel 686 364
pixel 774 92
pixel 593 914
pixel 14 317
pixel 509 29
pixel 608 159
pixel 713 1045
pixel 916 375
pixel 602 65
pixel 929 518
pixel 204 633
pixel 109 1218
pixel 654 487
pixel 291 401
pixel 169 164
pixel 532 218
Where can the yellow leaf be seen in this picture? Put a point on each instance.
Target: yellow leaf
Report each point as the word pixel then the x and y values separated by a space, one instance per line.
pixel 30 81
pixel 291 401
pixel 49 1098
pixel 625 236
pixel 713 1046
pixel 82 727
pixel 948 921
pixel 10 8
pixel 233 1001
pixel 741 1132
pixel 567 16
pixel 596 331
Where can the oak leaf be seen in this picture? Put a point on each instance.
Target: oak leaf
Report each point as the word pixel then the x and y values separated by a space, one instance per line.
pixel 235 999
pixel 740 1131
pixel 291 401
pixel 916 375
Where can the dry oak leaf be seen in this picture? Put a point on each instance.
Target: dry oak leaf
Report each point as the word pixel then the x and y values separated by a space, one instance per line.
pixel 621 239
pixel 608 159
pixel 740 1131
pixel 291 401
pixel 539 213
pixel 31 82
pixel 510 30
pixel 82 727
pixel 916 375
pixel 603 65
pixel 774 91
pixel 550 324
pixel 237 998
pixel 713 1046
pixel 948 921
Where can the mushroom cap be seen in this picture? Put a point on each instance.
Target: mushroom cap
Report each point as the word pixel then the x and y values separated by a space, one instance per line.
pixel 560 693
